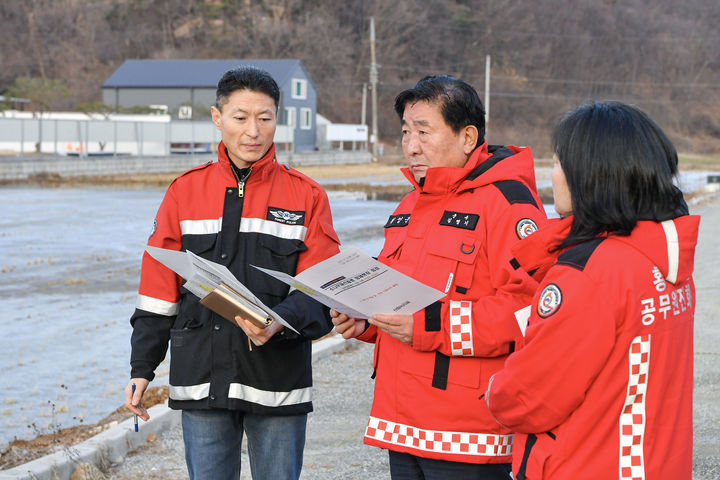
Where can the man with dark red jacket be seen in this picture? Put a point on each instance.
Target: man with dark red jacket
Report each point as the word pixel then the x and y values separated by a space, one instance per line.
pixel 244 209
pixel 472 201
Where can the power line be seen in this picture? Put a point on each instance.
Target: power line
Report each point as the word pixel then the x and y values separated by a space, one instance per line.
pixel 617 83
pixel 613 82
pixel 578 36
pixel 595 97
pixel 558 97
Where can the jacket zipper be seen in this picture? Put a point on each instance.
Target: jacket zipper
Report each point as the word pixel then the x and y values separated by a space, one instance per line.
pixel 241 183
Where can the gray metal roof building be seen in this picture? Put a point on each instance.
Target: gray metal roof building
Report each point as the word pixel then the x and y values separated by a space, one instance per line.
pixel 176 83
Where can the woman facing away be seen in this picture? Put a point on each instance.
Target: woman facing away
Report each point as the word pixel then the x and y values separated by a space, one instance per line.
pixel 602 387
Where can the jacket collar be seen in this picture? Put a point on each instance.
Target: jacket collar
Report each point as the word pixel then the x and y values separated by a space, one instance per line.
pixel 441 180
pixel 670 245
pixel 260 167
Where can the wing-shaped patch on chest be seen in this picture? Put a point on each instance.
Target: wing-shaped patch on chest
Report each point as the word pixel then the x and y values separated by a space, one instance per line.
pixel 287 217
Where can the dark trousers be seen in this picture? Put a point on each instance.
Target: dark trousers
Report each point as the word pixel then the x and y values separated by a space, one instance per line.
pixel 404 466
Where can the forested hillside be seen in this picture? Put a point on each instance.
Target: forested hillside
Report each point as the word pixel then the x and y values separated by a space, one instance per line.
pixel 547 55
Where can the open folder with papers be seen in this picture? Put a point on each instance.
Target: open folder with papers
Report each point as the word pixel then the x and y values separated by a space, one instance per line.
pixel 217 287
pixel 356 284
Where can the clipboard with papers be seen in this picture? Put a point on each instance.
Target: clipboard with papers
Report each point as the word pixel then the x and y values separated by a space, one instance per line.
pixel 217 287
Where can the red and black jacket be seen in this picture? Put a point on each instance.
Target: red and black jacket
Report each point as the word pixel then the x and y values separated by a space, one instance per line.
pixel 275 217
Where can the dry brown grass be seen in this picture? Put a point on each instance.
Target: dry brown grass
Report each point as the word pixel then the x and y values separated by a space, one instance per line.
pixel 19 452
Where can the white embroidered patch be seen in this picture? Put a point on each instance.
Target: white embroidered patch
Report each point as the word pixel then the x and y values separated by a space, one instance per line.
pixel 524 227
pixel 549 301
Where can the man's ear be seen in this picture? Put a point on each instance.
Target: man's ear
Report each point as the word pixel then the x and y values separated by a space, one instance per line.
pixel 470 137
pixel 216 117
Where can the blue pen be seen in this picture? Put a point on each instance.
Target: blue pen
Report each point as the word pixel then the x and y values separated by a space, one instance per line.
pixel 135 416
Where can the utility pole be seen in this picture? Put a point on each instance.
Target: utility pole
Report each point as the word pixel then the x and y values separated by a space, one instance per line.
pixel 373 86
pixel 363 107
pixel 487 92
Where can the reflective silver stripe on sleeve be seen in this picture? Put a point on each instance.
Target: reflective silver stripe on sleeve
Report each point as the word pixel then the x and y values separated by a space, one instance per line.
pixel 268 398
pixel 191 392
pixel 155 305
pixel 258 225
pixel 673 250
pixel 200 227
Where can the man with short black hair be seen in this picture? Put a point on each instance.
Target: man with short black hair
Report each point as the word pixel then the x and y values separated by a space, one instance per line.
pixel 244 209
pixel 472 202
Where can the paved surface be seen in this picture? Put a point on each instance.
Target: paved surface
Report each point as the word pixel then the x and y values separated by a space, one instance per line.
pixel 343 392
pixel 706 445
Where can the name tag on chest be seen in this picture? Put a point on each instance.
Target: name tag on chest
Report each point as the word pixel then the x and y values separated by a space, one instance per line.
pixel 400 220
pixel 467 221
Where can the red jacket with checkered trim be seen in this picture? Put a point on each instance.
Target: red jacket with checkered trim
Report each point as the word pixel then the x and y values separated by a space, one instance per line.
pixel 454 233
pixel 603 386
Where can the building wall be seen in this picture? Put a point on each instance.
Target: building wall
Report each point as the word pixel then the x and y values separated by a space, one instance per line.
pixel 172 97
pixel 304 138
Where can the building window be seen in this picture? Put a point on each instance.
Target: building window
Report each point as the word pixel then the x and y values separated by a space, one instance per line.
pixel 305 118
pixel 290 115
pixel 299 88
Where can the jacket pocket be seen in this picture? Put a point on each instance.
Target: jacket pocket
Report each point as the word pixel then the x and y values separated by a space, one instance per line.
pixel 454 261
pixel 190 358
pixel 200 245
pixel 277 254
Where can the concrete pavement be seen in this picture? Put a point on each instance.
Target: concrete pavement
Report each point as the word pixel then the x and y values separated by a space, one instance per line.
pixel 706 411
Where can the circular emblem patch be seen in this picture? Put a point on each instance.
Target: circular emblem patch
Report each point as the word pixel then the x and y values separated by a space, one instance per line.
pixel 550 300
pixel 525 227
pixel 154 227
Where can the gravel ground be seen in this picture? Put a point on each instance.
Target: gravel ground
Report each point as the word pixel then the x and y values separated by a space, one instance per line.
pixel 343 391
pixel 706 411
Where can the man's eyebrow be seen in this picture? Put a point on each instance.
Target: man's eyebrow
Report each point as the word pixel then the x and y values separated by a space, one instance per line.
pixel 422 123
pixel 235 110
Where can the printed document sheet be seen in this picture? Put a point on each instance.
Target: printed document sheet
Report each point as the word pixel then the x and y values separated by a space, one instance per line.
pixel 356 284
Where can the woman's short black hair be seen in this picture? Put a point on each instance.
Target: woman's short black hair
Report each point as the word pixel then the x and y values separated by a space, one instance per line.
pixel 246 78
pixel 619 166
pixel 460 104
